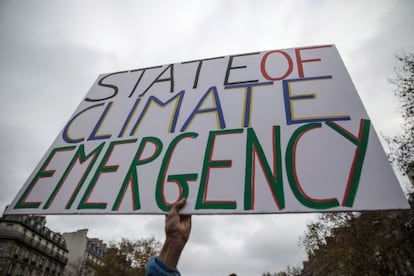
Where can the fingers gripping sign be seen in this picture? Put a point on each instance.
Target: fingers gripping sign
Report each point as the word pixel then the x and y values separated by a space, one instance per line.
pixel 178 227
pixel 177 231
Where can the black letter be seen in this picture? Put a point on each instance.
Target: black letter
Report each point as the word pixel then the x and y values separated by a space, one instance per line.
pixel 158 79
pixel 140 77
pixel 229 67
pixel 114 87
pixel 200 64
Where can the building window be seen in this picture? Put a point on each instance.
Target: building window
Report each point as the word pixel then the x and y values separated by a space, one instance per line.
pixel 34 258
pixel 46 263
pixel 3 248
pixel 10 270
pixel 26 255
pixel 42 260
pixel 20 271
pixel 16 251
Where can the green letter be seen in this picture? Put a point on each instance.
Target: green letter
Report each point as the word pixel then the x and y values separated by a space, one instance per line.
pixel 202 202
pixel 102 168
pixel 305 199
pixel 82 157
pixel 355 174
pixel 180 180
pixel 42 173
pixel 274 179
pixel 132 177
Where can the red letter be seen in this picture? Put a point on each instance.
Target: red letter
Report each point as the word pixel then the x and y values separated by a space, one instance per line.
pixel 263 65
pixel 300 61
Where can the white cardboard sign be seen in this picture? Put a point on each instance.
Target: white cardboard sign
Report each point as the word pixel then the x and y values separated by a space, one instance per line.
pixel 266 132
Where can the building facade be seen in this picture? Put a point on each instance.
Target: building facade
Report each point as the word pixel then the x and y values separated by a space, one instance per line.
pixel 85 254
pixel 29 248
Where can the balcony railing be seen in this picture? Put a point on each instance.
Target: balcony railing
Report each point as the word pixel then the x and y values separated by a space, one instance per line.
pixel 30 242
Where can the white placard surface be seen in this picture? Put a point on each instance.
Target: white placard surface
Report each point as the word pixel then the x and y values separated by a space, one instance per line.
pixel 276 131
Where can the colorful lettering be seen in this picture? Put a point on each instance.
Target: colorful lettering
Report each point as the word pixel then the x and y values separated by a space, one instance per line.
pixel 289 100
pixel 208 164
pixel 248 99
pixel 294 182
pixel 102 168
pixel 216 108
pixel 361 143
pixel 274 179
pixel 43 172
pixel 177 99
pixel 300 61
pixel 80 157
pixel 263 67
pixel 180 180
pixel 131 177
pixel 66 136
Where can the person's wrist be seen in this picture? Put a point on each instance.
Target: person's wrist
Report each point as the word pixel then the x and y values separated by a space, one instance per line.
pixel 171 251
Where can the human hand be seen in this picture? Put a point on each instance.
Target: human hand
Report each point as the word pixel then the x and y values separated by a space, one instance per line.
pixel 178 227
pixel 177 231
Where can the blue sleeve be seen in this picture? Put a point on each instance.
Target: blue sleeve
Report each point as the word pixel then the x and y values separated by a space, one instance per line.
pixel 156 268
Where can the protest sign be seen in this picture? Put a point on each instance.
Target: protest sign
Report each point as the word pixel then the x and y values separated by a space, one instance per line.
pixel 265 132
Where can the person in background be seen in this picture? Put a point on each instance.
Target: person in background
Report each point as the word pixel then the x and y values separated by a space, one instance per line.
pixel 177 232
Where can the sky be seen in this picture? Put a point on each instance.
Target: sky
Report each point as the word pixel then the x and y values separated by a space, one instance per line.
pixel 51 52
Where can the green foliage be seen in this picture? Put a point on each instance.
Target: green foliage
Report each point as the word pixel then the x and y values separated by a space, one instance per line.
pixel 402 147
pixel 317 232
pixel 128 257
pixel 369 243
pixel 290 271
